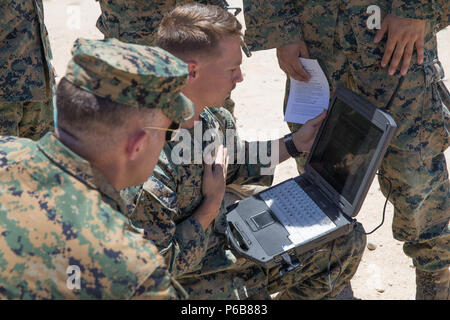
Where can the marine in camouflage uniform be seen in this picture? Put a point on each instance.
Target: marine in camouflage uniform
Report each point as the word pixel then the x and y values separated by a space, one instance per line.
pixel 26 75
pixel 58 210
pixel 336 33
pixel 201 260
pixel 137 21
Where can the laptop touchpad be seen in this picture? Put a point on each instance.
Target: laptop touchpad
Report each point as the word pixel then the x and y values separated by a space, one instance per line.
pixel 262 220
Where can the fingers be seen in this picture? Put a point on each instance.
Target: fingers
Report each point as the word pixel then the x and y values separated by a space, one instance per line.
pixel 397 57
pixel 407 58
pixel 403 36
pixel 298 72
pixel 221 162
pixel 297 67
pixel 304 53
pixel 419 49
pixel 289 62
pixel 208 159
pixel 390 47
pixel 317 121
pixel 295 70
pixel 382 31
pixel 220 156
pixel 207 166
pixel 304 137
pixel 403 52
pixel 226 159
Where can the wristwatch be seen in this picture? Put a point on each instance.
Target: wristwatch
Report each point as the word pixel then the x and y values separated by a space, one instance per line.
pixel 290 146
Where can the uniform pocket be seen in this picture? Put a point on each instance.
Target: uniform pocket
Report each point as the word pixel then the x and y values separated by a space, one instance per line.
pixel 371 53
pixel 434 132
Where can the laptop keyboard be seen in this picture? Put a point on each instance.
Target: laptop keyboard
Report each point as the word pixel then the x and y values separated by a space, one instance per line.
pixel 299 214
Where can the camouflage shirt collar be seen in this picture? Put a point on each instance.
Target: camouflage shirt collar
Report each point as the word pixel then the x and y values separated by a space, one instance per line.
pixel 81 169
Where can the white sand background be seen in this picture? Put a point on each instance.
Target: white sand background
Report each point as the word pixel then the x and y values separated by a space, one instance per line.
pixel 384 273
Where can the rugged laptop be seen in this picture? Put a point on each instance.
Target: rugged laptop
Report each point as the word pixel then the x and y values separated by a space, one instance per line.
pixel 302 213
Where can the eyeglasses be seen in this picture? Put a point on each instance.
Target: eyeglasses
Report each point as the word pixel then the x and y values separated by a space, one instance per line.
pixel 171 132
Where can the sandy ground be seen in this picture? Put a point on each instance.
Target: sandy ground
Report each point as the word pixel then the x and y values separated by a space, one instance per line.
pixel 384 273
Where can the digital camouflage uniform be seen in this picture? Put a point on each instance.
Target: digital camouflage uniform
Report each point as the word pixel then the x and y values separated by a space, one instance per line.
pixel 57 210
pixel 137 21
pixel 26 75
pixel 336 34
pixel 442 7
pixel 202 261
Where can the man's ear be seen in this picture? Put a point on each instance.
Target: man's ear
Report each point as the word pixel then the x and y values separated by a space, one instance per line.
pixel 192 69
pixel 135 144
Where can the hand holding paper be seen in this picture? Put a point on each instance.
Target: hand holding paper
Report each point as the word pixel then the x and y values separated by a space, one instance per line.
pixel 308 100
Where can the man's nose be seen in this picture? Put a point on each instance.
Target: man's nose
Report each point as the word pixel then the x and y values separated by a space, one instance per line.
pixel 239 77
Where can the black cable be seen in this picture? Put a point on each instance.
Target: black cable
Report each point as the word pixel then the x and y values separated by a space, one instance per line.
pixel 385 204
pixel 330 283
pixel 329 268
pixel 397 88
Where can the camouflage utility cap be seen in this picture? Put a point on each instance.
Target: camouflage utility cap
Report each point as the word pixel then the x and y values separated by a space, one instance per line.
pixel 132 75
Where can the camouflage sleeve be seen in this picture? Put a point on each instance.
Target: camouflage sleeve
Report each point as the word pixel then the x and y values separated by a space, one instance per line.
pixel 43 30
pixel 413 9
pixel 160 286
pixel 249 162
pixel 155 281
pixel 443 9
pixel 271 24
pixel 182 242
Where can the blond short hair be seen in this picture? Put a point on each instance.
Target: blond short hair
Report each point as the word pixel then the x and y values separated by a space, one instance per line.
pixel 195 28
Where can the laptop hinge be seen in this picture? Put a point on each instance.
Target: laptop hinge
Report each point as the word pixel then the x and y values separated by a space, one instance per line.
pixel 322 190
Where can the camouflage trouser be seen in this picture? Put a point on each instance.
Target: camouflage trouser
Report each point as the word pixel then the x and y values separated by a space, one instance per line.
pixel 26 119
pixel 414 162
pixel 244 279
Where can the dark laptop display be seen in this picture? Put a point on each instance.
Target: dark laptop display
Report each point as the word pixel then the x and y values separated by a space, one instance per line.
pixel 345 150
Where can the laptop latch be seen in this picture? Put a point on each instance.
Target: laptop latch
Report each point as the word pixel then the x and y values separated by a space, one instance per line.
pixel 290 265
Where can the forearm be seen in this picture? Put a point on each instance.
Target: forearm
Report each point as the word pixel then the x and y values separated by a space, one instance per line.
pixel 181 243
pixel 207 212
pixel 282 149
pixel 191 237
pixel 189 245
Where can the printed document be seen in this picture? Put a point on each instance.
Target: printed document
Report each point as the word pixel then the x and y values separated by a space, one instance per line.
pixel 308 99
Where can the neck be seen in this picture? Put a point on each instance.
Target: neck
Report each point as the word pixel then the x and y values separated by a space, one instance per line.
pixel 110 169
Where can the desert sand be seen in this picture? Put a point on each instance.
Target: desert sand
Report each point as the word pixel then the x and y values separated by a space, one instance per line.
pixel 384 273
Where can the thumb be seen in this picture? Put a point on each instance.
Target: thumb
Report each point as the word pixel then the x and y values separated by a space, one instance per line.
pixel 225 162
pixel 208 161
pixel 381 32
pixel 318 119
pixel 207 171
pixel 304 53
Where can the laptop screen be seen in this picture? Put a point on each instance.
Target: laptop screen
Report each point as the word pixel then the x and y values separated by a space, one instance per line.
pixel 345 149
